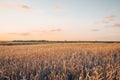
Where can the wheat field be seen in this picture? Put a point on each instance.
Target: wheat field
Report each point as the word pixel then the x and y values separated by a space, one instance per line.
pixel 60 61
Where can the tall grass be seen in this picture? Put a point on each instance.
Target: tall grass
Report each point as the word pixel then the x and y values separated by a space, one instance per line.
pixel 94 61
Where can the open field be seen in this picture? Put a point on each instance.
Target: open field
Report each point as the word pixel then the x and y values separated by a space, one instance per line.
pixel 63 61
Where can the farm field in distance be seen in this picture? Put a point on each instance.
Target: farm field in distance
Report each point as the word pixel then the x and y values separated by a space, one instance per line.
pixel 60 61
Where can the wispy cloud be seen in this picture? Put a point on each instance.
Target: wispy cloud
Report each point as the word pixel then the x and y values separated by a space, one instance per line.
pixel 55 30
pixel 117 24
pixel 57 7
pixel 95 30
pixel 20 34
pixel 47 30
pixel 11 6
pixel 24 7
pixel 110 17
pixel 106 20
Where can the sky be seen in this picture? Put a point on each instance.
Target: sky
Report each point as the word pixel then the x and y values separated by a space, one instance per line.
pixel 88 20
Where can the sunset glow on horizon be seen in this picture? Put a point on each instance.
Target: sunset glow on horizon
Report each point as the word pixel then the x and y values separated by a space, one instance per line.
pixel 60 20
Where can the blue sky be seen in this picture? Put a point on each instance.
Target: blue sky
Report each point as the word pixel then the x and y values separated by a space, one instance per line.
pixel 60 19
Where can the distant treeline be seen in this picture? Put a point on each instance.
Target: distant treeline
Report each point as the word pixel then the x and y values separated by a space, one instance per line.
pixel 66 41
pixel 31 42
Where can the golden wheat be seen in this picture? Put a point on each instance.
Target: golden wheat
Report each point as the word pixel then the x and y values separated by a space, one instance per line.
pixel 74 61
